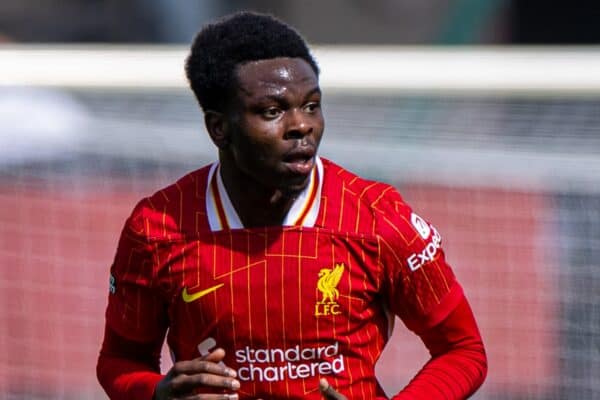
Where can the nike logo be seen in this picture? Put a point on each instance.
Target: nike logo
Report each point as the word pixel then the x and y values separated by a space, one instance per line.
pixel 188 298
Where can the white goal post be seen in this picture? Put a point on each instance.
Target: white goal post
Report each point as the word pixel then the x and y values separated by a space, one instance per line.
pixel 498 69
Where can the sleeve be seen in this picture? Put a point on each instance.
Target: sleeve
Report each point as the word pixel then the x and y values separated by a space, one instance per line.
pixel 136 317
pixel 421 287
pixel 126 369
pixel 458 364
pixel 136 310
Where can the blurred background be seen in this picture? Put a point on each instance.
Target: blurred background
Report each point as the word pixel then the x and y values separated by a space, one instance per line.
pixel 484 113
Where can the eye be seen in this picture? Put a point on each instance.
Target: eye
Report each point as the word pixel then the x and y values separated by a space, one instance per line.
pixel 312 107
pixel 271 112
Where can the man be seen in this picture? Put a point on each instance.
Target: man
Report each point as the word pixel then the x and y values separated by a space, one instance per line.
pixel 277 273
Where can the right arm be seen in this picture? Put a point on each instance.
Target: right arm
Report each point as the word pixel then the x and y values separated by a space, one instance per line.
pixel 128 369
pixel 131 370
pixel 136 322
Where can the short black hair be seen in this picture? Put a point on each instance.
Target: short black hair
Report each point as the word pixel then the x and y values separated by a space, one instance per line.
pixel 238 38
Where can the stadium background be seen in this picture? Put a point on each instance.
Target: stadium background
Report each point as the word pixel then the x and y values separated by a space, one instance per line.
pixel 508 170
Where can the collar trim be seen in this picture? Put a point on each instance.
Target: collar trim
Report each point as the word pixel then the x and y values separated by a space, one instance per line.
pixel 222 215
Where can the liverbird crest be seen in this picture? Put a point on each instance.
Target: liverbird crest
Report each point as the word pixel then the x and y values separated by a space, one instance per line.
pixel 328 281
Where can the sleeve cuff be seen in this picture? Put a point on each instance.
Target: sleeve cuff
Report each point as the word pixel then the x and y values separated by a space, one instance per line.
pixel 144 385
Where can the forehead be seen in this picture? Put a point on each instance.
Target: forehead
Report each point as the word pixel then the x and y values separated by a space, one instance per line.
pixel 276 74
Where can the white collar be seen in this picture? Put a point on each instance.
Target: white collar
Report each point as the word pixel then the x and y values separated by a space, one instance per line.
pixel 222 214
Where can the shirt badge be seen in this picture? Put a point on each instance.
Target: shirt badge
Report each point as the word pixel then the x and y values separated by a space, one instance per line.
pixel 329 278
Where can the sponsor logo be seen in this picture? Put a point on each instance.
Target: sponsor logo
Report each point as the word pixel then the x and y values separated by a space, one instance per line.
pixel 327 285
pixel 188 298
pixel 277 364
pixel 206 346
pixel 417 260
pixel 112 284
pixel 420 225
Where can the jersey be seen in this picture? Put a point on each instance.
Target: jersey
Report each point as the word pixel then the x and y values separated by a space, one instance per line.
pixel 289 304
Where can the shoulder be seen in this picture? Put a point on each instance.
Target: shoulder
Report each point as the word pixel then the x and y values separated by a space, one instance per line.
pixel 167 212
pixel 375 208
pixel 338 178
pixel 354 202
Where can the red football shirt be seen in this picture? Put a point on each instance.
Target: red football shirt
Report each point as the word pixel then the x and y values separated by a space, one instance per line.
pixel 314 297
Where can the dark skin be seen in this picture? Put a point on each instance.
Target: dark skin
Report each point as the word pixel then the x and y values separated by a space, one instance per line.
pixel 267 139
pixel 185 377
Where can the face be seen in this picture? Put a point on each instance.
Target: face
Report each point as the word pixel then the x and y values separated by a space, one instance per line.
pixel 274 125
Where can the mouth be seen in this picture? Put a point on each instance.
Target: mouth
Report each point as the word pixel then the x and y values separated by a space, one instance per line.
pixel 300 161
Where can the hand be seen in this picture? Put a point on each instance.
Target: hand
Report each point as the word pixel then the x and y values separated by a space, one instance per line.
pixel 329 392
pixel 186 376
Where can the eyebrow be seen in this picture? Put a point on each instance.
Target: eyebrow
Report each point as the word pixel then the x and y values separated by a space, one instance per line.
pixel 316 89
pixel 278 97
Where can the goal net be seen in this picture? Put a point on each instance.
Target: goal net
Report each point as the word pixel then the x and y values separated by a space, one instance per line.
pixel 498 147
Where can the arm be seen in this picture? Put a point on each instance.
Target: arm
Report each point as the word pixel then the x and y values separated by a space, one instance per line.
pixel 136 318
pixel 136 323
pixel 128 369
pixel 424 292
pixel 458 363
pixel 131 370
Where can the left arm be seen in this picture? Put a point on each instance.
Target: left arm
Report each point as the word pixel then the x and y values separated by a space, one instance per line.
pixel 424 292
pixel 458 363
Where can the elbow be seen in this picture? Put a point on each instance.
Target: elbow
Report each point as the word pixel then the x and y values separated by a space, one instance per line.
pixel 101 372
pixel 480 363
pixel 474 365
pixel 484 365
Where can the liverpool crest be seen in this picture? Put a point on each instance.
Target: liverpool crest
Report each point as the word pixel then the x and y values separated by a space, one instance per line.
pixel 327 285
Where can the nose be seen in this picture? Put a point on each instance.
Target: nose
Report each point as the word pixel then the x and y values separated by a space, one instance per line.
pixel 298 124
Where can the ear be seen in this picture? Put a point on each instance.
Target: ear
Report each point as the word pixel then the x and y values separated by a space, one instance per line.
pixel 216 125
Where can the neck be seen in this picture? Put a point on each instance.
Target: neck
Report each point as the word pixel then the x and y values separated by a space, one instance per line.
pixel 255 204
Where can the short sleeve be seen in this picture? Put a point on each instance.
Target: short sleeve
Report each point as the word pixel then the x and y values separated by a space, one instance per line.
pixel 135 308
pixel 421 288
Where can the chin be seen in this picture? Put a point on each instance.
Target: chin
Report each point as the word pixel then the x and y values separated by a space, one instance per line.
pixel 292 188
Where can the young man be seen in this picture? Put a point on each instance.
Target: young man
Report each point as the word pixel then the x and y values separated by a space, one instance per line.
pixel 277 273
